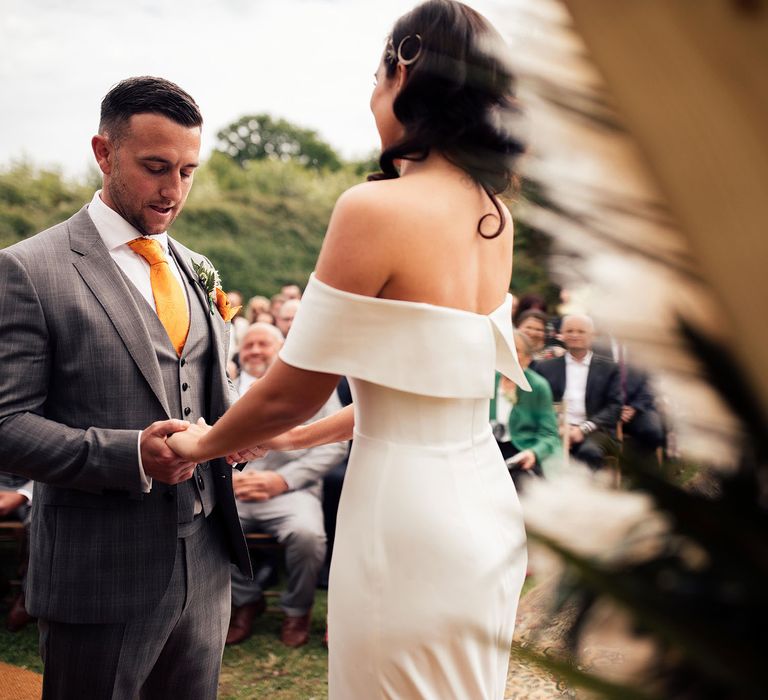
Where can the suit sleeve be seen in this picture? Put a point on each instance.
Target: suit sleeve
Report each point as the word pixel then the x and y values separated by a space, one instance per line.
pixel 641 398
pixel 93 459
pixel 313 464
pixel 608 415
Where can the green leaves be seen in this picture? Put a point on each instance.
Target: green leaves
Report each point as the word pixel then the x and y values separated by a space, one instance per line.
pixel 260 137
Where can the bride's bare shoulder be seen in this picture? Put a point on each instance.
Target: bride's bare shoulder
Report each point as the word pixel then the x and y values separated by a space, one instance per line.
pixel 359 247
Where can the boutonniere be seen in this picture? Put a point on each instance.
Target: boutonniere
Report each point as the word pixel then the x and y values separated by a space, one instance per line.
pixel 211 284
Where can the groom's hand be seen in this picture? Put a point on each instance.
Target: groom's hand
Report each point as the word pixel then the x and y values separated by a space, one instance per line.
pixel 160 461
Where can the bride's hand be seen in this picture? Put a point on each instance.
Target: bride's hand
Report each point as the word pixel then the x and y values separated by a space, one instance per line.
pixel 186 443
pixel 279 443
pixel 247 455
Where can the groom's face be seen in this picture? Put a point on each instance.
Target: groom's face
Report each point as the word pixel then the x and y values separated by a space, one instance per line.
pixel 148 172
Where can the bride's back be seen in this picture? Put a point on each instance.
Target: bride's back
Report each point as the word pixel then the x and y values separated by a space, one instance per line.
pixel 418 238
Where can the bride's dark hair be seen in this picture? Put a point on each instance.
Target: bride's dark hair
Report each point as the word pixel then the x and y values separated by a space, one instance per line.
pixel 457 98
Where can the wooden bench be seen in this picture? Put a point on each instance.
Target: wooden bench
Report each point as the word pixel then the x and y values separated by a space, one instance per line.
pixel 261 541
pixel 268 544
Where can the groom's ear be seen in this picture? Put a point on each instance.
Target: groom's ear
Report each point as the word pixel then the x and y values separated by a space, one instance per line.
pixel 104 151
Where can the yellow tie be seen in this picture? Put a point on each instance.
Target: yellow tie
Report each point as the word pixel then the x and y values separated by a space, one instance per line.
pixel 170 302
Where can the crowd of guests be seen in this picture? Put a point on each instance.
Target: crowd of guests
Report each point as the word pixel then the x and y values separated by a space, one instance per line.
pixel 585 400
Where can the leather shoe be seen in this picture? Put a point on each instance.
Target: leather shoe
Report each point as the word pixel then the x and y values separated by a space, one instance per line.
pixel 295 630
pixel 18 617
pixel 241 621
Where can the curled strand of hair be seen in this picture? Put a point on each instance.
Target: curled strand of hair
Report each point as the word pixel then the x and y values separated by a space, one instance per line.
pixel 499 211
pixel 409 149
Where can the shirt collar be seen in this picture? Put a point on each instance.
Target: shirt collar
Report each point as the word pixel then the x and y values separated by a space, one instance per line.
pixel 569 359
pixel 246 380
pixel 114 230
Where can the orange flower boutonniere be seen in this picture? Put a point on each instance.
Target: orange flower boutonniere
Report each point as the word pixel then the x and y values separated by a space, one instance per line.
pixel 209 281
pixel 226 310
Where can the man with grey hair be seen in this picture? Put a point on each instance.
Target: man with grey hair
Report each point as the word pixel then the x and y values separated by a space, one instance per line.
pixel 280 494
pixel 589 386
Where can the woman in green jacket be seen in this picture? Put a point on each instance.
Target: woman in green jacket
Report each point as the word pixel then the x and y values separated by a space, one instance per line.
pixel 525 423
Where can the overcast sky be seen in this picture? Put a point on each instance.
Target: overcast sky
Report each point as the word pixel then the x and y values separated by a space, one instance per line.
pixel 310 61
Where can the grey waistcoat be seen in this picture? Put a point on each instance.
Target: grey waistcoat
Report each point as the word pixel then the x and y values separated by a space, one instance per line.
pixel 186 382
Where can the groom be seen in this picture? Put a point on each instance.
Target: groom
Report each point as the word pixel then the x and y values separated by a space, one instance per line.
pixel 108 343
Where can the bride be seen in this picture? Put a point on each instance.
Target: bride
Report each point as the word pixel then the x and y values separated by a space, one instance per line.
pixel 409 300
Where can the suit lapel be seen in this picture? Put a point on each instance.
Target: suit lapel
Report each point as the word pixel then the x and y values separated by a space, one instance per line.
pixel 592 376
pixel 103 278
pixel 560 378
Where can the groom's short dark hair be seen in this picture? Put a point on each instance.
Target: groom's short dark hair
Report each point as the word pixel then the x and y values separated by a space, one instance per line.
pixel 146 95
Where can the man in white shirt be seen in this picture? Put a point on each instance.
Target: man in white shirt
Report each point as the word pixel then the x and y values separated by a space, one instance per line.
pixel 281 494
pixel 589 386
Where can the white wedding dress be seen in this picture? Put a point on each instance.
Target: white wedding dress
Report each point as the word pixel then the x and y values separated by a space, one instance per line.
pixel 430 551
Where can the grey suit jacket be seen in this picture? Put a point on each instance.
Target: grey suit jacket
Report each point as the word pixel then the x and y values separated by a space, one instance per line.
pixel 78 380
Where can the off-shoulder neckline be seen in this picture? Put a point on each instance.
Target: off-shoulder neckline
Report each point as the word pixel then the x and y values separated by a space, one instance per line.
pixel 410 304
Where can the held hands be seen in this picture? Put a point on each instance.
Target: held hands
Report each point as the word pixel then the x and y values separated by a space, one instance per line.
pixel 185 444
pixel 575 435
pixel 258 486
pixel 627 413
pixel 279 443
pixel 159 460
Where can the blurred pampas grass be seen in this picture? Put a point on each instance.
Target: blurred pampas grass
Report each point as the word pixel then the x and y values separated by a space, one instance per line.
pixel 675 574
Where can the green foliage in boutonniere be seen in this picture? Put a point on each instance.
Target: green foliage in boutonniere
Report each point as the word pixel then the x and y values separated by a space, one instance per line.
pixel 209 281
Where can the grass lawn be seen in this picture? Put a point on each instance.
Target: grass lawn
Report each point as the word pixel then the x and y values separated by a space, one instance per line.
pixel 260 667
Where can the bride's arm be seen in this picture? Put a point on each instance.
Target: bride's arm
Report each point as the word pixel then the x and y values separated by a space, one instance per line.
pixel 285 397
pixel 337 427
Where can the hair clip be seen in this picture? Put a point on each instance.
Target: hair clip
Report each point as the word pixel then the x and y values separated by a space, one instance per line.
pixel 408 61
pixel 389 52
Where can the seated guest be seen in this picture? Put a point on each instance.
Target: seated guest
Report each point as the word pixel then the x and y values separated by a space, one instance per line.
pixel 533 324
pixel 529 302
pixel 639 417
pixel 256 305
pixel 589 385
pixel 280 494
pixel 524 422
pixel 239 322
pixel 275 302
pixel 285 316
pixel 291 291
pixel 15 500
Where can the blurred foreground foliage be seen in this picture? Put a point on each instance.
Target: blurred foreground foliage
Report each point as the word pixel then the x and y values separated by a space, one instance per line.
pixel 261 222
pixel 700 595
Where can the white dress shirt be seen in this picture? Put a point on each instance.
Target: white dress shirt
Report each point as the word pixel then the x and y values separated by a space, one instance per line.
pixel 244 382
pixel 576 372
pixel 115 232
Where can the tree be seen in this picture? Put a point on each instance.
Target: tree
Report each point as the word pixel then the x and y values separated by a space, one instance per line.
pixel 260 137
